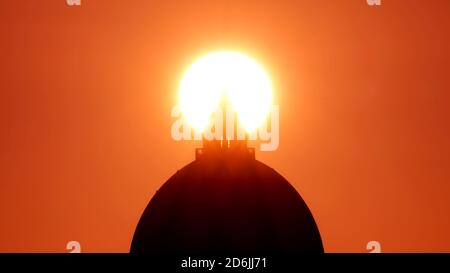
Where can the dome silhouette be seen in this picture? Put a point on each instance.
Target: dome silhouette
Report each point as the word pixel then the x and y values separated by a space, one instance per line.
pixel 226 203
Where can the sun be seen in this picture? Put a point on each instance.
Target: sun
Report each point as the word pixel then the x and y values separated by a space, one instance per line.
pixel 225 76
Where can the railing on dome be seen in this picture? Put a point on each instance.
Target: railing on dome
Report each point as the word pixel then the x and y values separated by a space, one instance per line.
pixel 225 146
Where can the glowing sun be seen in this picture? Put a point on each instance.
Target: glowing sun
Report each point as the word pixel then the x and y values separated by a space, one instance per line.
pixel 225 76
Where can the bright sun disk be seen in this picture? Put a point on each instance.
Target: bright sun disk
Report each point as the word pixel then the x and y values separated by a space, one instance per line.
pixel 225 75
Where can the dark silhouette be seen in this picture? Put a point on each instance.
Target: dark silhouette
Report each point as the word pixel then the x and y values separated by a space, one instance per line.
pixel 226 202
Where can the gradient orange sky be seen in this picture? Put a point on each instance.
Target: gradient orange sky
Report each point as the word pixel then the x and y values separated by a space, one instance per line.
pixel 86 96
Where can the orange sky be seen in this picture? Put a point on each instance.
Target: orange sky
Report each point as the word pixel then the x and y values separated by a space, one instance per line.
pixel 86 95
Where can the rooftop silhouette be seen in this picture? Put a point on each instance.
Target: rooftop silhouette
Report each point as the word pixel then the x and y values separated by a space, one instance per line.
pixel 226 202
